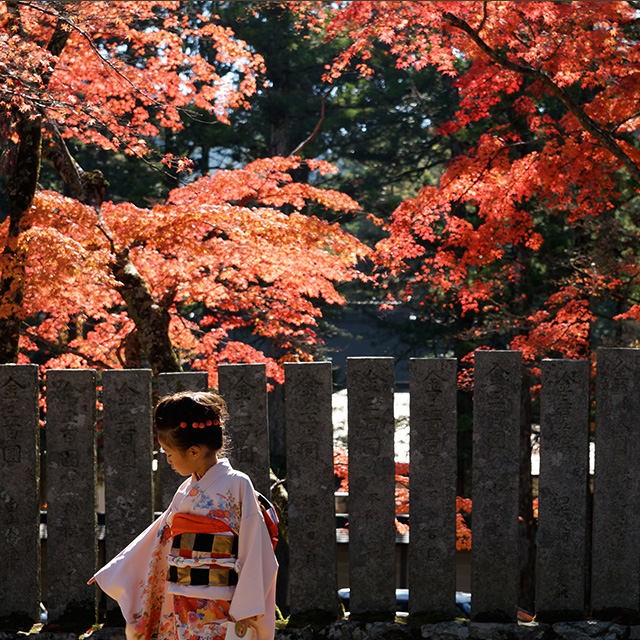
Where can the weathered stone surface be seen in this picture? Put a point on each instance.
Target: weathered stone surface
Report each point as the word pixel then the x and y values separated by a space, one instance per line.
pixel 313 579
pixel 432 485
pixel 109 633
pixel 306 633
pixel 616 500
pixel 19 491
pixel 589 629
pixel 49 635
pixel 372 571
pixel 128 455
pixel 168 383
pixel 455 630
pixel 387 631
pixel 244 387
pixel 492 631
pixel 72 549
pixel 340 630
pixel 564 468
pixel 496 475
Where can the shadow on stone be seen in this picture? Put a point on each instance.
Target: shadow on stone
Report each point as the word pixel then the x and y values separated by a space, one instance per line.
pixel 618 614
pixel 17 621
pixel 77 618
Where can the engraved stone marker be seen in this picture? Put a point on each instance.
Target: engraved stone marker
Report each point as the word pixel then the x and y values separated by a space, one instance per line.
pixel 128 455
pixel 19 491
pixel 244 387
pixel 71 491
pixel 616 500
pixel 311 513
pixel 496 454
pixel 372 580
pixel 432 485
pixel 564 469
pixel 169 383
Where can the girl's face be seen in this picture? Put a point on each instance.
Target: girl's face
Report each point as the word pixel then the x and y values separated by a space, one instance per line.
pixel 183 462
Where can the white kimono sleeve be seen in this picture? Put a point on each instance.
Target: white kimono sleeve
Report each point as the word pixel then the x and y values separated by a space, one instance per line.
pixel 255 593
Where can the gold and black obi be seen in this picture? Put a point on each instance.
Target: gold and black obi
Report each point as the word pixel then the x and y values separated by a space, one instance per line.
pixel 203 552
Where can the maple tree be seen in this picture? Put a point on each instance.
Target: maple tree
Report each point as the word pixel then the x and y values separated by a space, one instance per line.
pixel 463 505
pixel 109 285
pixel 532 231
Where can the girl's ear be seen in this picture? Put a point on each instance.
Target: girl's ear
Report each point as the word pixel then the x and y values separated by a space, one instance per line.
pixel 195 451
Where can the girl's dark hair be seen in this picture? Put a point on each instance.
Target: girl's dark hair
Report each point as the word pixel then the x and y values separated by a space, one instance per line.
pixel 191 418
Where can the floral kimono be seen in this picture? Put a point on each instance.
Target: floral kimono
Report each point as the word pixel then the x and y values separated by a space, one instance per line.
pixel 207 559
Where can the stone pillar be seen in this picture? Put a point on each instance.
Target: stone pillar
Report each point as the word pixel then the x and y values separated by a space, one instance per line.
pixel 19 491
pixel 432 485
pixel 167 480
pixel 495 490
pixel 616 500
pixel 72 544
pixel 128 456
pixel 310 483
pixel 372 571
pixel 244 387
pixel 564 472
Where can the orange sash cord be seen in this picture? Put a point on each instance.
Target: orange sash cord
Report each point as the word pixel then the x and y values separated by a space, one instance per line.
pixel 191 523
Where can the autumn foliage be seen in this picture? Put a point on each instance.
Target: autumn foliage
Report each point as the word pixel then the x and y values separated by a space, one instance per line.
pixel 531 232
pixel 122 69
pixel 463 505
pixel 526 238
pixel 215 267
pixel 229 259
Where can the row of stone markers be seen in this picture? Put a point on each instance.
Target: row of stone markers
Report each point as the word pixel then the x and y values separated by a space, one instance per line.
pixel 579 568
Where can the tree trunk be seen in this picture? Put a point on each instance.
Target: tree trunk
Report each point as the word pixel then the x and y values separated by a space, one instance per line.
pixel 21 183
pixel 23 170
pixel 151 320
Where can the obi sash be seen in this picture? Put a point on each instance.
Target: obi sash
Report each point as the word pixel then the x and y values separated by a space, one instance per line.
pixel 203 552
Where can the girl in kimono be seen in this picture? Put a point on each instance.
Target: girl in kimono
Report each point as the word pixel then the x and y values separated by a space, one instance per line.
pixel 206 568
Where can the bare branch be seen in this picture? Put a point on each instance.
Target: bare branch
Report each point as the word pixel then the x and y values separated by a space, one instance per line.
pixel 314 134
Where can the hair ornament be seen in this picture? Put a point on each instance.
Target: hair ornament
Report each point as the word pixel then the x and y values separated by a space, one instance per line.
pixel 200 425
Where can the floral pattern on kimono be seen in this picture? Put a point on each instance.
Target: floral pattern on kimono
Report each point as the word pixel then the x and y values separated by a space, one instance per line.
pixel 155 609
pixel 199 619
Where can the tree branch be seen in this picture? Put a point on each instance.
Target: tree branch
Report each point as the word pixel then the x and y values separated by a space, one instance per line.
pixel 73 26
pixel 151 320
pixel 92 362
pixel 314 134
pixel 588 124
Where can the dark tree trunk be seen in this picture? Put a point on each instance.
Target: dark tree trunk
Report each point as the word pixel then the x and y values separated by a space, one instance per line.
pixel 21 183
pixel 151 320
pixel 22 168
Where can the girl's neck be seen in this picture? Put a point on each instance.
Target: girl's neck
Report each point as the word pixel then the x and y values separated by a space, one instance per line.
pixel 207 463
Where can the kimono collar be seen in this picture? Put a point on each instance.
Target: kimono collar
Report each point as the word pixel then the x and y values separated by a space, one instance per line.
pixel 215 471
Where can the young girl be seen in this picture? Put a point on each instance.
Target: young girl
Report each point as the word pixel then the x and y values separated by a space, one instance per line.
pixel 206 568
